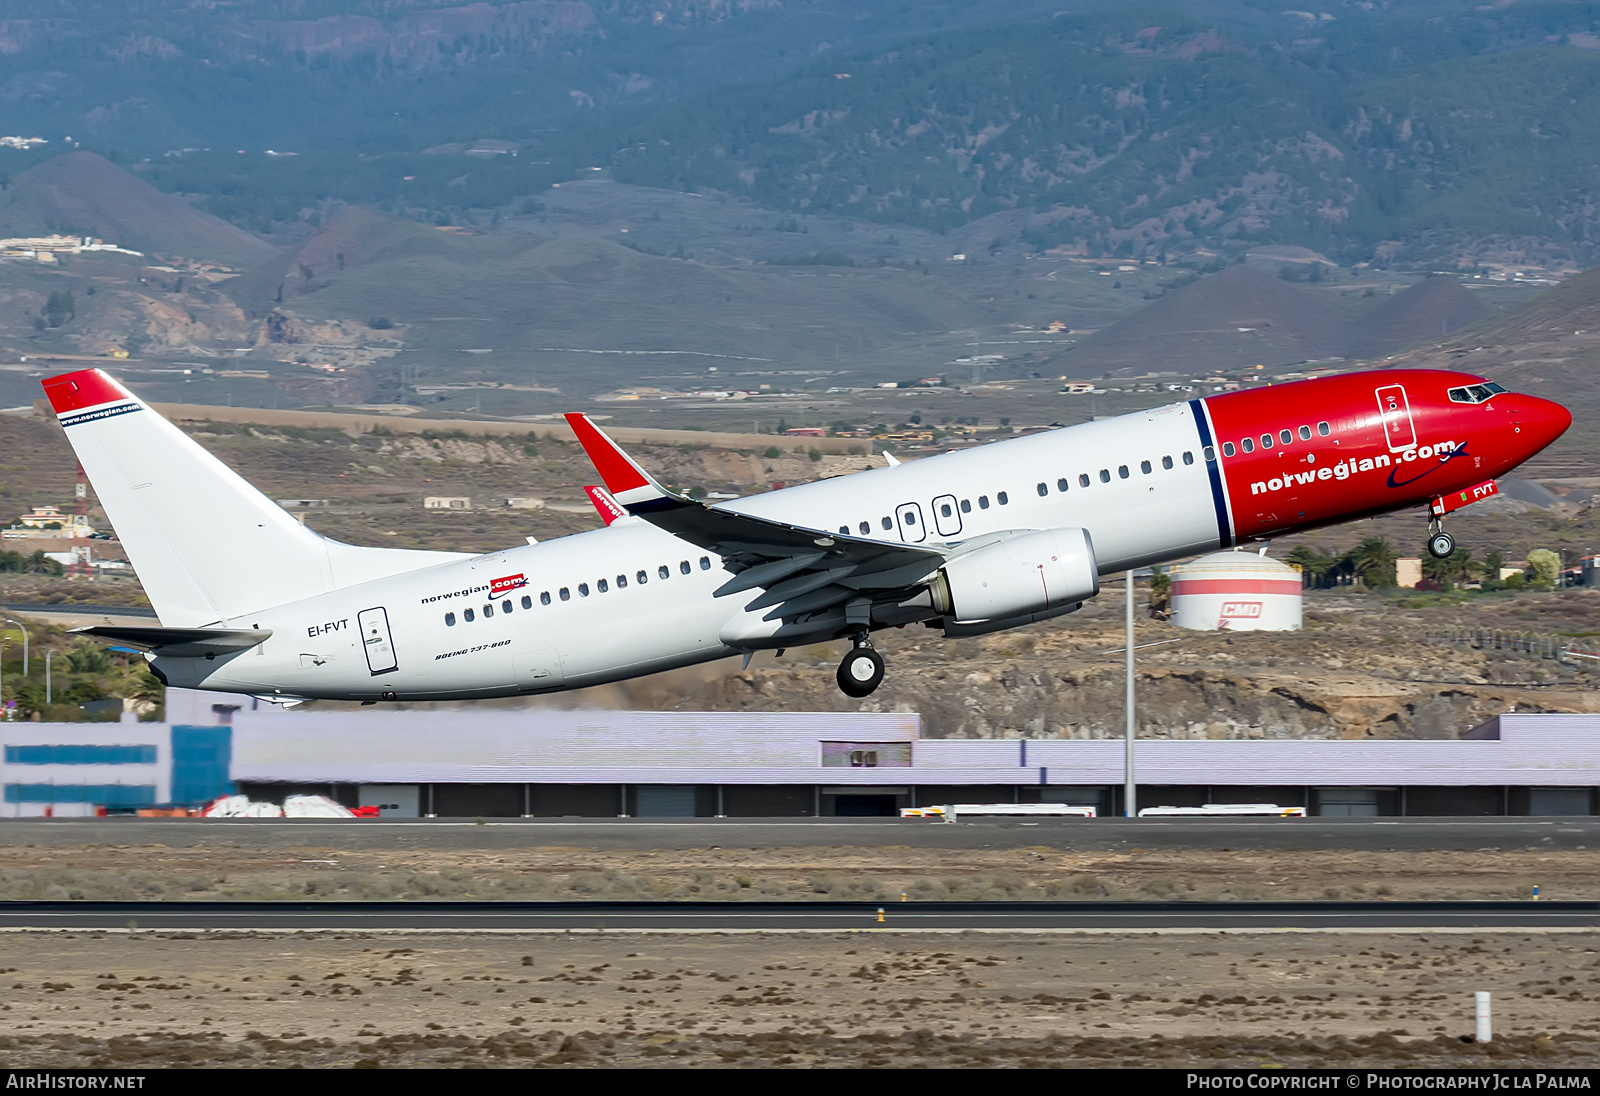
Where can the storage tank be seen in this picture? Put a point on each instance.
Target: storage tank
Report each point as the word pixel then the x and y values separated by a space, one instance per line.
pixel 1238 591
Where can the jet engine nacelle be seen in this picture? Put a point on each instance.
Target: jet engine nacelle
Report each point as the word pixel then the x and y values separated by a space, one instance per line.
pixel 1027 576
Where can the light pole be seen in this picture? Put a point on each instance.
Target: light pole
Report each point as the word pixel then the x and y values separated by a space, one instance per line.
pixel 49 653
pixel 1129 794
pixel 24 632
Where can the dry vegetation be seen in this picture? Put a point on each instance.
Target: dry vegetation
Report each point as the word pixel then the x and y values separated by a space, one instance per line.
pixel 209 865
pixel 869 998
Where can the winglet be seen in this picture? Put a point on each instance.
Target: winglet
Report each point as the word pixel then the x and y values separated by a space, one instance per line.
pixel 607 507
pixel 631 485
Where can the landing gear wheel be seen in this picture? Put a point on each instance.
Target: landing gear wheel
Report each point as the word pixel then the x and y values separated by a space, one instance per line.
pixel 861 672
pixel 1441 544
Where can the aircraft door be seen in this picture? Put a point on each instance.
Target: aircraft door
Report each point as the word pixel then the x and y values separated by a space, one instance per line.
pixel 1398 430
pixel 377 642
pixel 946 516
pixel 908 516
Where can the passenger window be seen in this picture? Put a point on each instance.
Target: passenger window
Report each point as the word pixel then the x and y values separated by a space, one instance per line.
pixel 583 589
pixel 449 620
pixel 1266 441
pixel 1305 433
pixel 983 502
pixel 663 571
pixel 1247 445
pixel 705 563
pixel 910 517
pixel 1210 454
pixel 845 529
pixel 944 510
pixel 1144 466
pixel 966 506
pixel 566 594
pixel 488 610
pixel 1322 428
pixel 1285 436
pixel 1061 484
pixel 1043 489
pixel 1083 479
pixel 1122 471
pixel 1001 498
pixel 683 566
pixel 887 524
pixel 643 577
pixel 544 598
pixel 1166 462
pixel 602 587
pixel 466 614
pixel 1188 457
pixel 622 582
pixel 507 605
pixel 865 528
pixel 1105 475
pixel 1227 448
pixel 527 602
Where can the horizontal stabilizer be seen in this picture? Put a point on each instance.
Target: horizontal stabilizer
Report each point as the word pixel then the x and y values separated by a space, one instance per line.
pixel 181 642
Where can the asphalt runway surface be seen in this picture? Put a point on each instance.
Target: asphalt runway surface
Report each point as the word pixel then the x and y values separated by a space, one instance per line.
pixel 477 917
pixel 1099 834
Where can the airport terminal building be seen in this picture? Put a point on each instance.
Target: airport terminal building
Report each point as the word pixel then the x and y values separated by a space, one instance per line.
pixel 532 762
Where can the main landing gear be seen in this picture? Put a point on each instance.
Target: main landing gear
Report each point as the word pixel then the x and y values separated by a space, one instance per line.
pixel 862 669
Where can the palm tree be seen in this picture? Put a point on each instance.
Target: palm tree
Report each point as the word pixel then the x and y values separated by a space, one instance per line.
pixel 1373 560
pixel 1315 565
pixel 1458 566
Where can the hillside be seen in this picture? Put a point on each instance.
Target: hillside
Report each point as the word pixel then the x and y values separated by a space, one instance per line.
pixel 586 314
pixel 83 194
pixel 1244 316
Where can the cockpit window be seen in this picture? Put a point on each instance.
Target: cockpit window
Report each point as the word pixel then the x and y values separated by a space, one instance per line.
pixel 1475 393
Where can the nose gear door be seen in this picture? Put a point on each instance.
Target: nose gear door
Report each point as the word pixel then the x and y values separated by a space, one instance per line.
pixel 376 641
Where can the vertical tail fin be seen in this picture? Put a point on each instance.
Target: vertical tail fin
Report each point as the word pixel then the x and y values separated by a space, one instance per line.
pixel 207 545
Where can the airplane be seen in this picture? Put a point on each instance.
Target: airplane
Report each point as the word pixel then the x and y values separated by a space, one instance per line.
pixel 972 542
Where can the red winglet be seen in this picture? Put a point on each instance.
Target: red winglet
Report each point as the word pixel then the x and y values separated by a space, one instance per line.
pixel 605 505
pixel 85 388
pixel 620 473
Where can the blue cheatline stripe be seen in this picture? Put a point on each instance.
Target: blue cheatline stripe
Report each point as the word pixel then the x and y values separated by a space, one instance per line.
pixel 1214 469
pixel 103 413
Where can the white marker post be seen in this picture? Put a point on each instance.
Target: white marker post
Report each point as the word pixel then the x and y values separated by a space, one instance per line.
pixel 1481 1014
pixel 1130 806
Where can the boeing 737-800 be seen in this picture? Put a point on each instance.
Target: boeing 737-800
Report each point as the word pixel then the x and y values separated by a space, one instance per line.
pixel 999 536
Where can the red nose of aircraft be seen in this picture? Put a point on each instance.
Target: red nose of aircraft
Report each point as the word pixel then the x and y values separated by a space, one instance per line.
pixel 1539 422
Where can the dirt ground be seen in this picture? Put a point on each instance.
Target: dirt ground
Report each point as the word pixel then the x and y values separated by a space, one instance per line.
pixel 869 998
pixel 227 867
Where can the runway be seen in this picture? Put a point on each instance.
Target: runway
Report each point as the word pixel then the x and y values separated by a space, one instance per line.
pixel 1099 834
pixel 670 917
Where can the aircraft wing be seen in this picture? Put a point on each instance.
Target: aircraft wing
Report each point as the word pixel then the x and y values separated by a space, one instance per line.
pixel 181 642
pixel 804 570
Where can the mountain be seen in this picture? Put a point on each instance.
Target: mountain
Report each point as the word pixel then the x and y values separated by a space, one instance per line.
pixel 84 194
pixel 1244 316
pixel 589 315
pixel 1431 309
pixel 1238 317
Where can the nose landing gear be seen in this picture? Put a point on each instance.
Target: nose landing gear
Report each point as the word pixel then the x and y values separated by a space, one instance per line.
pixel 1440 543
pixel 861 671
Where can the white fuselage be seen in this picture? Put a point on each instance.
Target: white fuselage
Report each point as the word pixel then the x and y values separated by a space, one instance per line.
pixel 409 635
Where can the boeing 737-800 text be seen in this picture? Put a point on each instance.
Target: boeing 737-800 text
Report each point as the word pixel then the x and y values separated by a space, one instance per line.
pixel 995 537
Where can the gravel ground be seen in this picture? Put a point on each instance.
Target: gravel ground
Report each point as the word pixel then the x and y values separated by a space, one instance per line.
pixel 870 998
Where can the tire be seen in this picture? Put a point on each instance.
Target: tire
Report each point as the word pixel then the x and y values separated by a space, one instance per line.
pixel 861 672
pixel 1440 545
